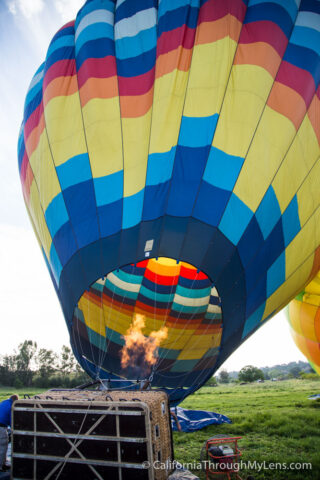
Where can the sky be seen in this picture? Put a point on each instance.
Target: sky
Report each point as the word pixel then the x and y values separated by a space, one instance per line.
pixel 29 306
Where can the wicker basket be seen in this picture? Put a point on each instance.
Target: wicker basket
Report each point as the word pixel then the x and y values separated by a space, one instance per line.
pixel 120 435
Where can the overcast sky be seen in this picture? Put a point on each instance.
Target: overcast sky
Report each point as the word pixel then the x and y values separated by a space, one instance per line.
pixel 29 306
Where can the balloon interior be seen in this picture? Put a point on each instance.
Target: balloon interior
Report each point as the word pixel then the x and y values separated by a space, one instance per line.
pixel 169 159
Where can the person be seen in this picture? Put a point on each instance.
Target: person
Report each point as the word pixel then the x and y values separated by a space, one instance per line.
pixel 5 422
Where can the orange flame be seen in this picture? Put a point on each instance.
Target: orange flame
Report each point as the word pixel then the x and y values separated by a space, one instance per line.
pixel 139 350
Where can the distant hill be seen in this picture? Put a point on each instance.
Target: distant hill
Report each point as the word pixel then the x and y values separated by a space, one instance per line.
pixel 282 370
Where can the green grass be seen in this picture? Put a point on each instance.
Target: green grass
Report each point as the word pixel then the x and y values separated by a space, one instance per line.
pixel 276 420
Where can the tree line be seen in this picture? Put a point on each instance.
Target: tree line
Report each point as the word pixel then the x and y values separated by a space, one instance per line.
pixel 251 373
pixel 31 366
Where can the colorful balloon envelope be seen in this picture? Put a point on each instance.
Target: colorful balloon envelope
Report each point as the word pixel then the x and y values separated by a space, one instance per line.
pixel 169 158
pixel 304 319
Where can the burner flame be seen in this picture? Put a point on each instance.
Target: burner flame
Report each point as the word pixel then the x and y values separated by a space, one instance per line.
pixel 139 351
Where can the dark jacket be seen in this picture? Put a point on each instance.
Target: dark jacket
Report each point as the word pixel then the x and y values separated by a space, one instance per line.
pixel 5 412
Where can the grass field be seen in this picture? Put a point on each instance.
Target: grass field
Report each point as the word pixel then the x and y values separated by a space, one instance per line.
pixel 276 420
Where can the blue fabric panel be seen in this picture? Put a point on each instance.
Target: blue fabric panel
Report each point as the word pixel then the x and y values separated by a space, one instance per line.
pixel 290 221
pixel 56 214
pixel 254 320
pixel 81 204
pixel 274 13
pixel 192 293
pixel 129 47
pixel 95 49
pixel 56 264
pixel 265 257
pixel 176 18
pixel 306 37
pixel 304 58
pixel 61 42
pixel 168 5
pixel 235 219
pixel 310 6
pixel 187 174
pixel 133 67
pixel 110 217
pixel 132 209
pixel 155 201
pixel 90 6
pixel 65 53
pixel 210 203
pixel 276 274
pixel 290 5
pixel 32 106
pixel 75 170
pixel 166 298
pixel 258 295
pixel 160 167
pixel 193 420
pixel 65 243
pixel 197 131
pixel 251 241
pixel 129 8
pixel 108 189
pixel 96 31
pixel 222 169
pixel 268 212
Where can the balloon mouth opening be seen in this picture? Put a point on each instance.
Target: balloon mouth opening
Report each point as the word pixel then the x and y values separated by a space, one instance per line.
pixel 157 318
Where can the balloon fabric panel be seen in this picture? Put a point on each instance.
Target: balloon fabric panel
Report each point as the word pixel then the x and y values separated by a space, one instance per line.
pixel 179 136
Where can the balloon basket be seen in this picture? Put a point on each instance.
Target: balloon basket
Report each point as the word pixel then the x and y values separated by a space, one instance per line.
pixel 222 458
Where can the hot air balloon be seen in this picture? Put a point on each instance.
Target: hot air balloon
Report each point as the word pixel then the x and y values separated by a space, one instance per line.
pixel 169 159
pixel 304 319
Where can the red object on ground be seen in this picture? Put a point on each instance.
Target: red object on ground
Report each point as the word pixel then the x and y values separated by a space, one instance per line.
pixel 221 465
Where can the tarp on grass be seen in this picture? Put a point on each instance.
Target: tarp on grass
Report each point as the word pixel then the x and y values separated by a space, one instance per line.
pixel 192 420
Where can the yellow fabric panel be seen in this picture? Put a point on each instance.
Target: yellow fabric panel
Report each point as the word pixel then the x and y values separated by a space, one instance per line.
pixel 169 95
pixel 103 130
pixel 177 338
pixel 270 144
pixel 300 341
pixel 247 92
pixel 207 83
pixel 136 133
pixel 301 156
pixel 93 315
pixel 118 321
pixel 288 289
pixel 65 128
pixel 312 299
pixel 39 220
pixel 171 268
pixel 303 245
pixel 313 287
pixel 294 315
pixel 44 172
pixel 307 317
pixel 191 353
pixel 308 195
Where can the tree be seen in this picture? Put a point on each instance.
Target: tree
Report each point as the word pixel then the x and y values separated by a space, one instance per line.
pixel 23 360
pixel 26 353
pixel 224 376
pixel 67 361
pixel 250 374
pixel 295 372
pixel 46 362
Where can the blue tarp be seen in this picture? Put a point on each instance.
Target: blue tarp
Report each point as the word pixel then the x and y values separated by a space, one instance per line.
pixel 315 397
pixel 192 420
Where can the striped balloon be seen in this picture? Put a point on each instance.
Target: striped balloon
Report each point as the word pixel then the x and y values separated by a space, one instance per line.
pixel 169 159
